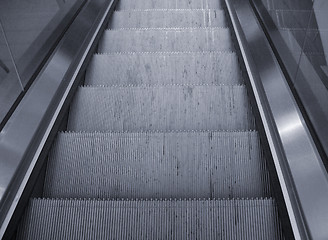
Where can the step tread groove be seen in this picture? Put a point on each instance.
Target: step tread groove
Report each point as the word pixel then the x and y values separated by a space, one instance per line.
pixel 175 219
pixel 145 165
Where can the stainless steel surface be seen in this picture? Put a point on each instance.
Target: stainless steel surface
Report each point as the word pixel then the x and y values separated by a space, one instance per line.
pixel 301 48
pixel 302 175
pixel 24 135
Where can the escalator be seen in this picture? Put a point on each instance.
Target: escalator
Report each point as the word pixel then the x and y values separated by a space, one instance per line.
pixel 161 141
pixel 164 125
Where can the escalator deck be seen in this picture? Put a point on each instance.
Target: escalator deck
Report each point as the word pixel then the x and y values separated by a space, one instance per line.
pixel 161 141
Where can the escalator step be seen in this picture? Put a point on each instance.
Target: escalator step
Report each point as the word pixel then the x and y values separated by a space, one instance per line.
pixel 169 18
pixel 169 108
pixel 169 4
pixel 166 40
pixel 157 165
pixel 175 219
pixel 164 68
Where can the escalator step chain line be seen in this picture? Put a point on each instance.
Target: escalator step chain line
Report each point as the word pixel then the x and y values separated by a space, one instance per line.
pixel 161 141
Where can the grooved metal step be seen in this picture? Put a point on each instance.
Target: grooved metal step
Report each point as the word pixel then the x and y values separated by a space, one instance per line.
pixel 166 40
pixel 168 19
pixel 252 219
pixel 169 4
pixel 164 68
pixel 157 165
pixel 166 108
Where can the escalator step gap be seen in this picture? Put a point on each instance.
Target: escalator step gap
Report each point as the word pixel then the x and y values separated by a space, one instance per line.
pixel 167 29
pixel 152 199
pixel 151 132
pixel 161 85
pixel 163 53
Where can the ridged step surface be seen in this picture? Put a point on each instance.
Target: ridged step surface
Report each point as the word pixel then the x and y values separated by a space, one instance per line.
pixel 252 219
pixel 169 4
pixel 164 68
pixel 157 165
pixel 166 40
pixel 166 108
pixel 168 19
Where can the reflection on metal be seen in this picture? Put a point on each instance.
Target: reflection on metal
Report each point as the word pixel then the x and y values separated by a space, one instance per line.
pixel 24 136
pixel 302 175
pixel 61 3
pixel 11 56
pixel 3 66
pixel 33 59
pixel 307 78
pixel 320 11
pixel 325 69
pixel 290 125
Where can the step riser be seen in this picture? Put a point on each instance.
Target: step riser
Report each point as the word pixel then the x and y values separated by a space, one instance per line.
pixel 88 219
pixel 168 19
pixel 163 69
pixel 169 4
pixel 186 40
pixel 176 165
pixel 161 109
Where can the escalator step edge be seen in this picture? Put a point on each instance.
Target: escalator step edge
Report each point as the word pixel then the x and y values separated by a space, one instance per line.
pixel 168 19
pixel 167 108
pixel 166 40
pixel 164 68
pixel 170 4
pixel 160 219
pixel 157 165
